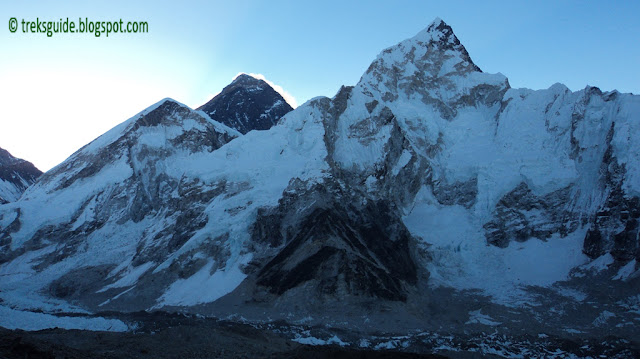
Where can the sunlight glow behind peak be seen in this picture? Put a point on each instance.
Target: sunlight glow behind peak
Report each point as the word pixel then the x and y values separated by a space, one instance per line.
pixel 287 96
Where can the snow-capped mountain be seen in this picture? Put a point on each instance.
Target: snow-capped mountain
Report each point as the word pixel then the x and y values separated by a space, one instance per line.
pixel 15 176
pixel 247 104
pixel 427 174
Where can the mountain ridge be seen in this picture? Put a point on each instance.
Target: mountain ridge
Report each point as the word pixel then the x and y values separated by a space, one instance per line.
pixel 427 187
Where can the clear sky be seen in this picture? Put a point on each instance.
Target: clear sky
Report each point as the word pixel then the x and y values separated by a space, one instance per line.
pixel 59 93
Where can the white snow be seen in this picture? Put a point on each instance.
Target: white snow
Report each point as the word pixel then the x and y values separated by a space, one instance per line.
pixel 390 344
pixel 115 133
pixel 335 340
pixel 625 144
pixel 17 319
pixel 7 216
pixel 631 304
pixel 9 191
pixel 571 293
pixel 599 264
pixel 573 331
pixel 628 271
pixel 476 317
pixel 405 157
pixel 42 206
pixel 310 340
pixel 130 277
pixel 350 151
pixel 370 183
pixel 603 318
pixel 87 214
pixel 205 286
pixel 21 284
pixel 462 258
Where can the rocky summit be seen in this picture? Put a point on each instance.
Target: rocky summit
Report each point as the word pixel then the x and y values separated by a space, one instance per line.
pixel 15 176
pixel 430 200
pixel 247 104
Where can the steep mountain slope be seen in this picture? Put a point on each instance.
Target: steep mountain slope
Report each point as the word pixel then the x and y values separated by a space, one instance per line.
pixel 15 176
pixel 428 174
pixel 472 161
pixel 156 200
pixel 120 195
pixel 247 104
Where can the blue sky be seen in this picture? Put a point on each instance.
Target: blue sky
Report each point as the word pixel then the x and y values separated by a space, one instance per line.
pixel 59 93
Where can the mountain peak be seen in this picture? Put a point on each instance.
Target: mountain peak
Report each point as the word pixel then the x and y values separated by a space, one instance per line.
pixel 436 50
pixel 434 66
pixel 246 78
pixel 15 176
pixel 6 157
pixel 441 30
pixel 439 35
pixel 436 22
pixel 247 103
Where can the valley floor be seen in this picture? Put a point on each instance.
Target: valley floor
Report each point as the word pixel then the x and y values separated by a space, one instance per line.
pixel 162 335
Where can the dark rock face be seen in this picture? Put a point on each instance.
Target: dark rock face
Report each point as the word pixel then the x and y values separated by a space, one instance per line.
pixel 460 193
pixel 78 282
pixel 335 247
pixel 521 214
pixel 614 228
pixel 17 173
pixel 332 239
pixel 247 104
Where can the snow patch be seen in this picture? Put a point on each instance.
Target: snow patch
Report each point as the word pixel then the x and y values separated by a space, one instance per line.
pixel 476 317
pixel 603 318
pixel 462 258
pixel 315 341
pixel 205 286
pixel 130 277
pixel 17 319
pixel 599 264
pixel 405 157
pixel 627 272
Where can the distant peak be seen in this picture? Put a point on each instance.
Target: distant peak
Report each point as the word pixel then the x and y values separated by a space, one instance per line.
pixel 438 26
pixel 436 22
pixel 166 102
pixel 440 35
pixel 438 30
pixel 246 78
pixel 5 154
pixel 249 102
pixel 422 66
